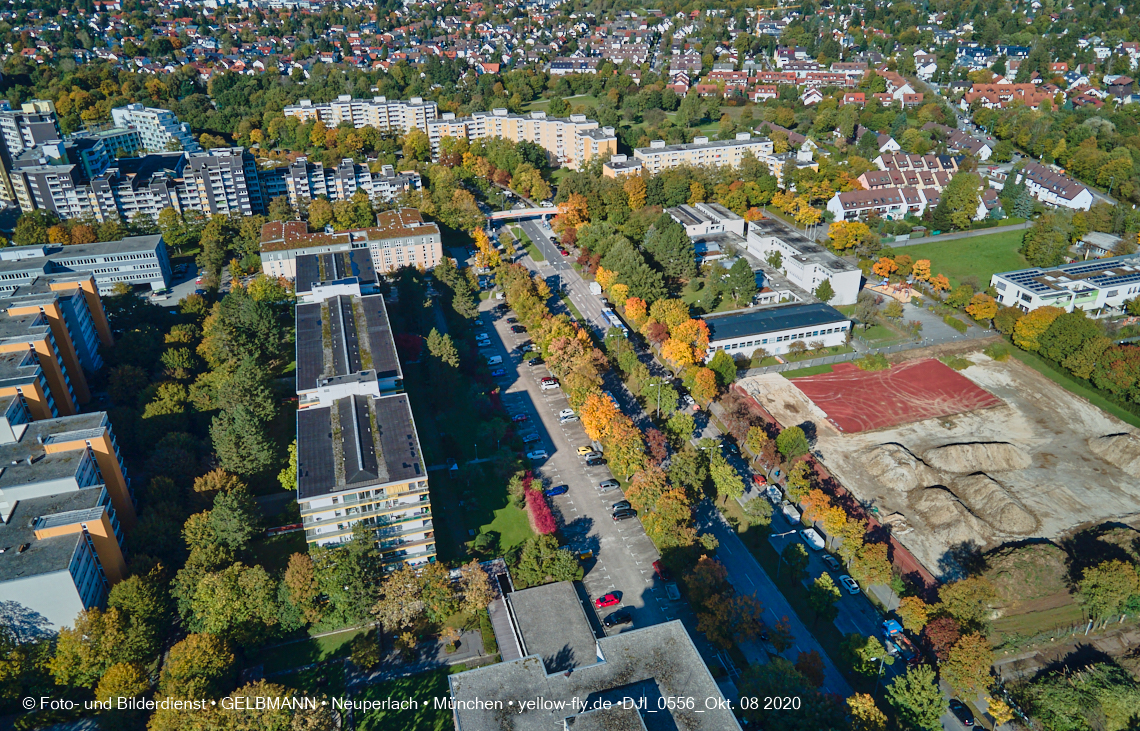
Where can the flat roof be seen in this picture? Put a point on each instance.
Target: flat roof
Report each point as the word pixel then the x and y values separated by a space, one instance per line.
pixel 338 448
pixel 700 145
pixel 286 235
pixel 573 645
pixel 806 249
pixel 762 320
pixel 45 555
pixel 1115 271
pixel 659 659
pixel 359 338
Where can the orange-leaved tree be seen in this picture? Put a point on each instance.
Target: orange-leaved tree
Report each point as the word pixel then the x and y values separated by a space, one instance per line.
pixel 884 267
pixel 921 270
pixel 982 307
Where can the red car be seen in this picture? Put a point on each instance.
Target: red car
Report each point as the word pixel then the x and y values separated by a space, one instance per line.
pixel 519 417
pixel 759 479
pixel 606 601
pixel 564 252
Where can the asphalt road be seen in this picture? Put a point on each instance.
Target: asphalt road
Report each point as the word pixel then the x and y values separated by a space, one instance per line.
pixel 558 267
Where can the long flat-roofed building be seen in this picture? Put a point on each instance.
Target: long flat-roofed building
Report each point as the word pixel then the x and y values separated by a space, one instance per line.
pixel 700 152
pixel 1098 286
pixel 135 260
pixel 805 263
pixel 400 238
pixel 774 329
pixel 622 681
pixel 570 141
pixel 378 112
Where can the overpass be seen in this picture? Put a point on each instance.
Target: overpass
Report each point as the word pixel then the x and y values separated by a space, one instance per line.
pixel 522 213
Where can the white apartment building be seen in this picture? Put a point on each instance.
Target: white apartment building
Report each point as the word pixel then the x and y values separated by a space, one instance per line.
pixel 1098 286
pixel 156 127
pixel 378 112
pixel 400 238
pixel 805 263
pixel 660 156
pixel 571 142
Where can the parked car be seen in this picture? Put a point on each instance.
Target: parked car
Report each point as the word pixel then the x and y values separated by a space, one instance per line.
pixel 595 461
pixel 527 439
pixel 564 252
pixel 519 417
pixel 537 454
pixel 502 308
pixel 527 347
pixel 607 600
pixel 498 372
pixel 672 591
pixel 622 616
pixel 548 379
pixel 557 490
pixel 585 450
pixel 536 360
pixel 832 562
pixel 565 412
pixel 813 539
pixel 962 712
pixel 592 455
pixel 518 329
pixel 607 485
pixel 567 419
pixel 624 514
pixel 661 570
pixel 494 360
pixel 550 386
pixel 849 584
pixel 621 505
pixel 512 320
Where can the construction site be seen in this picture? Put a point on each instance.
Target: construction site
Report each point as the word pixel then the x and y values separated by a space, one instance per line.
pixel 956 461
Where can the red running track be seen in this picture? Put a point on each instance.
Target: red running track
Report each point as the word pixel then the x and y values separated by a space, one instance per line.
pixel 856 400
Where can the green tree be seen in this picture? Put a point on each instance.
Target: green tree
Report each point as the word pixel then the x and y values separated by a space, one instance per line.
pixel 1067 334
pixel 143 599
pixel 234 519
pixel 238 603
pixel 728 482
pixel 824 292
pixel 32 226
pixel 288 475
pixel 200 666
pixel 1104 588
pixel 442 347
pixel 865 655
pixel 779 678
pixel 822 597
pixel 349 576
pixel 741 281
pixel 725 368
pixel 796 558
pixel 84 653
pixel 967 668
pixel 792 443
pixel 671 248
pixel 241 441
pixel 968 601
pixel 917 700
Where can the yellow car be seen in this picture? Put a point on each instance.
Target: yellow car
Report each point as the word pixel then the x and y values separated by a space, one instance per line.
pixel 585 450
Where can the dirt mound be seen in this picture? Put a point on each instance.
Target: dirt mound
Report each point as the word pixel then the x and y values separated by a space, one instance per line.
pixel 970 457
pixel 1028 573
pixel 948 518
pixel 1121 450
pixel 989 500
pixel 897 468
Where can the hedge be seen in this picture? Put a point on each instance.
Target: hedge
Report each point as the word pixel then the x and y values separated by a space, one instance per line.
pixel 955 323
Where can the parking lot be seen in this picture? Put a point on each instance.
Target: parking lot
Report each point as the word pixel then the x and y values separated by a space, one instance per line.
pixel 622 555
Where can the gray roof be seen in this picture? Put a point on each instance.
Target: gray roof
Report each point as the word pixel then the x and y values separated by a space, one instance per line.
pixel 45 466
pixel 350 337
pixel 573 645
pixel 659 660
pixel 44 555
pixel 358 456
pixel 771 319
pixel 806 249
pixel 333 266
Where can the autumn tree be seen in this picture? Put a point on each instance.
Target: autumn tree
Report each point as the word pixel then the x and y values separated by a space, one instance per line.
pixel 865 715
pixel 982 307
pixel 968 601
pixel 1104 588
pixel 846 235
pixel 810 665
pixel 967 665
pixel 726 479
pixel 884 267
pixel 917 699
pixel 913 612
pixel 941 633
pixel 921 270
pixel 1029 328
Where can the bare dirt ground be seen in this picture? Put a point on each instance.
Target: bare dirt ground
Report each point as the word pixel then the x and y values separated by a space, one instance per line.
pixel 975 480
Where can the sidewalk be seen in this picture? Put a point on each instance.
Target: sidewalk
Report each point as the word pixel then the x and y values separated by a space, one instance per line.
pixel 959 235
pixel 430 655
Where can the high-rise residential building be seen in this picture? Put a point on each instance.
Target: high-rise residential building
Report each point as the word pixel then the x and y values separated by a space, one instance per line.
pixel 701 152
pixel 136 260
pixel 35 123
pixel 571 142
pixel 305 181
pixel 378 112
pixel 400 238
pixel 358 454
pixel 157 128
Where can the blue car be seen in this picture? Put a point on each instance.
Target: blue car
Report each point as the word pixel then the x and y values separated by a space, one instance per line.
pixel 498 372
pixel 557 490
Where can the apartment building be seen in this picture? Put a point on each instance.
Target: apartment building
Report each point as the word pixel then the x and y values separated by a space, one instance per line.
pixel 619 166
pixel 660 156
pixel 22 381
pixel 774 329
pixel 803 262
pixel 889 203
pixel 358 454
pixel 136 260
pixel 35 123
pixel 571 142
pixel 1100 287
pixel 157 128
pixel 400 238
pixel 1053 188
pixel 919 179
pixel 304 181
pixel 65 502
pixel 378 112
pixel 223 180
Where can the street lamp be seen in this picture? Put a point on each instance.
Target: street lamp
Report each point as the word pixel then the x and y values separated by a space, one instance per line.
pixel 658 384
pixel 780 564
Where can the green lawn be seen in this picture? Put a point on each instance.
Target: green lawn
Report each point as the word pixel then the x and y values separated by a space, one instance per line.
pixel 540 105
pixel 809 371
pixel 485 508
pixel 878 332
pixel 306 652
pixel 273 553
pixel 325 680
pixel 533 250
pixel 979 256
pixel 570 305
pixel 1074 385
pixel 423 689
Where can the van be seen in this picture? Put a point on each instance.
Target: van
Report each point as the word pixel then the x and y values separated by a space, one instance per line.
pixel 494 360
pixel 791 513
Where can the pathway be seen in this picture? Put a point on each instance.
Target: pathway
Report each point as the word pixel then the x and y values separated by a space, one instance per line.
pixel 960 235
pixel 430 655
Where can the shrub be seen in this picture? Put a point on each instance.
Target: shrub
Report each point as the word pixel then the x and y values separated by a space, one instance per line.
pixel 998 351
pixel 955 323
pixel 956 362
pixel 873 362
pixel 541 519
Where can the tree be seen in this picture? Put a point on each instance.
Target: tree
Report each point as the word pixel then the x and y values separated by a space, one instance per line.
pixel 288 475
pixel 913 612
pixel 475 586
pixel 724 367
pixel 84 654
pixel 241 441
pixel 1006 319
pixel 144 601
pixel 967 666
pixel 779 678
pixel 200 666
pixel 792 443
pixel 810 665
pixel 865 655
pixel 726 479
pixel 1104 588
pixel 123 680
pixel 941 633
pixel 796 557
pixel 865 715
pixel 798 483
pixel 822 597
pixel 671 248
pixel 968 600
pixel 921 270
pixel 824 292
pixel 442 347
pixel 238 603
pixel 741 281
pixel 846 235
pixel 704 385
pixel 234 519
pixel 301 586
pixel 916 698
pixel 541 561
pixel 961 296
pixel 982 307
pixel 400 605
pixel 884 267
pixel 417 146
pixel 1067 334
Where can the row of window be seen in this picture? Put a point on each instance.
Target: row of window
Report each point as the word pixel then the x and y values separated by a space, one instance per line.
pixel 782 338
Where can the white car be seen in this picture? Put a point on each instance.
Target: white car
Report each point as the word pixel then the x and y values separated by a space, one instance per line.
pixel 568 419
pixel 813 539
pixel 550 386
pixel 849 584
pixel 565 412
pixel 537 454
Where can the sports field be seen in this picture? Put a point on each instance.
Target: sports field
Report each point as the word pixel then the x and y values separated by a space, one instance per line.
pixel 856 400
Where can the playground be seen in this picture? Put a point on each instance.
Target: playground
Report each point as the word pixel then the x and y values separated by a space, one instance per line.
pixel 855 400
pixel 956 461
